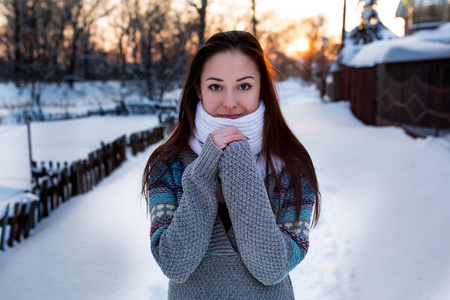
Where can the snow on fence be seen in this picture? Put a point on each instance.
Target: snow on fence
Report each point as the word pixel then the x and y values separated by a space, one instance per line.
pixel 56 184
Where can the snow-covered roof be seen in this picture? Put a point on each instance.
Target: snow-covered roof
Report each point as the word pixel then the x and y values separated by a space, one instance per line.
pixel 348 52
pixel 350 49
pixel 423 45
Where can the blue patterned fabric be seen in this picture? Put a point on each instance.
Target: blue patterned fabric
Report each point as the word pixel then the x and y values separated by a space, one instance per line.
pixel 250 261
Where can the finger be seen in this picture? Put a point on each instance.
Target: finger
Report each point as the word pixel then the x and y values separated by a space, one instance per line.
pixel 236 134
pixel 230 131
pixel 224 136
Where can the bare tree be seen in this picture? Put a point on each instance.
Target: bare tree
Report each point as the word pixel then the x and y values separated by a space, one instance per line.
pixel 56 40
pixel 254 21
pixel 79 17
pixel 174 53
pixel 153 44
pixel 32 39
pixel 276 43
pixel 201 23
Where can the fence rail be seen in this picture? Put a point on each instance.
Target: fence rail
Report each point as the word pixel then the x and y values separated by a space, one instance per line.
pixel 54 185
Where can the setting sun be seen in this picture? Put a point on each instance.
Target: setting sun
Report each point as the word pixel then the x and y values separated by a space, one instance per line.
pixel 296 48
pixel 301 45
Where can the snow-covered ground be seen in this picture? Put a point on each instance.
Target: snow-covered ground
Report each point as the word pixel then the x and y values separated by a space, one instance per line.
pixel 60 99
pixel 383 234
pixel 82 97
pixel 56 141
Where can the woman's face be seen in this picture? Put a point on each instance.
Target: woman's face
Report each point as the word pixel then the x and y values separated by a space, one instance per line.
pixel 230 85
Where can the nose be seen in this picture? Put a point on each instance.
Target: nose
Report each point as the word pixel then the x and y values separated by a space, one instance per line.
pixel 229 100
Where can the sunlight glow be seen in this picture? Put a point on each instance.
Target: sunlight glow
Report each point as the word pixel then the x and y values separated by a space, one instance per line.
pixel 332 9
pixel 295 49
pixel 301 45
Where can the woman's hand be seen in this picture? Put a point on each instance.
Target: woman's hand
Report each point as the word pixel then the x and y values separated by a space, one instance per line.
pixel 224 136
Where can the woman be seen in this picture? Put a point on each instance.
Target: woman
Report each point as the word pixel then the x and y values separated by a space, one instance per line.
pixel 231 191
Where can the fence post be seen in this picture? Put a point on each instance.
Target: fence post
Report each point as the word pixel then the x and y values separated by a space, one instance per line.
pixel 21 221
pixel 85 176
pixel 55 184
pixel 124 147
pixel 91 161
pixel 30 219
pixel 101 165
pixel 110 158
pixel 106 159
pixel 133 144
pixel 51 189
pixel 62 186
pixel 13 224
pixel 44 199
pixel 4 223
pixel 73 179
pixel 114 153
pixel 89 172
pixel 79 178
pixel 82 168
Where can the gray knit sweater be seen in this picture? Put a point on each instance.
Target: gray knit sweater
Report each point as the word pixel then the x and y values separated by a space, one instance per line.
pixel 190 244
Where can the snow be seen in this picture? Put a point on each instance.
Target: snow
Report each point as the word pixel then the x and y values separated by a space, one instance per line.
pixel 83 97
pixel 423 45
pixel 82 94
pixel 383 232
pixel 57 141
pixel 350 49
pixel 93 247
pixel 348 52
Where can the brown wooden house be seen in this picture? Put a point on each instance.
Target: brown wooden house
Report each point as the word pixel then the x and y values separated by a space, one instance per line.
pixel 403 82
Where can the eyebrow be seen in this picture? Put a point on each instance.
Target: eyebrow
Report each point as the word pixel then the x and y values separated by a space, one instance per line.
pixel 240 79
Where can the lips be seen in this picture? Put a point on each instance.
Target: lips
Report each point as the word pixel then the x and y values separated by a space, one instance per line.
pixel 230 116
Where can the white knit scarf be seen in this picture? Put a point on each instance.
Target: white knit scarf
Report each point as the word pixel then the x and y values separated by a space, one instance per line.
pixel 250 125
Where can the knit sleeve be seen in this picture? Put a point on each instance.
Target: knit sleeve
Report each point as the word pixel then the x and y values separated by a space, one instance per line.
pixel 269 250
pixel 183 209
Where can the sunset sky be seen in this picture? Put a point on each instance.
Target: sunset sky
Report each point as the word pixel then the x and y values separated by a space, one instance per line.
pixel 288 9
pixel 332 9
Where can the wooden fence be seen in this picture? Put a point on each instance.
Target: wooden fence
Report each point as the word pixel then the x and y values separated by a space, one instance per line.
pixel 54 185
pixel 413 95
pixel 360 89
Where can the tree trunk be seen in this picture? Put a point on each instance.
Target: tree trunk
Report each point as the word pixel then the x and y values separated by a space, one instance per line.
pixel 73 58
pixel 254 21
pixel 17 41
pixel 343 24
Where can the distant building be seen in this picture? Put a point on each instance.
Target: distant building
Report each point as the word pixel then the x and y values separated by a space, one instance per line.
pixel 398 81
pixel 423 14
pixel 401 82
pixel 371 28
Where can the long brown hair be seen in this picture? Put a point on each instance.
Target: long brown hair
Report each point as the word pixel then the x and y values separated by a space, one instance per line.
pixel 278 139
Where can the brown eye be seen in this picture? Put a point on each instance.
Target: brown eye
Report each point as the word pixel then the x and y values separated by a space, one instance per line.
pixel 245 86
pixel 215 87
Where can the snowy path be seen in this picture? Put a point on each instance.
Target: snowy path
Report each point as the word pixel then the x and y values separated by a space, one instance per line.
pixel 383 233
pixel 95 246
